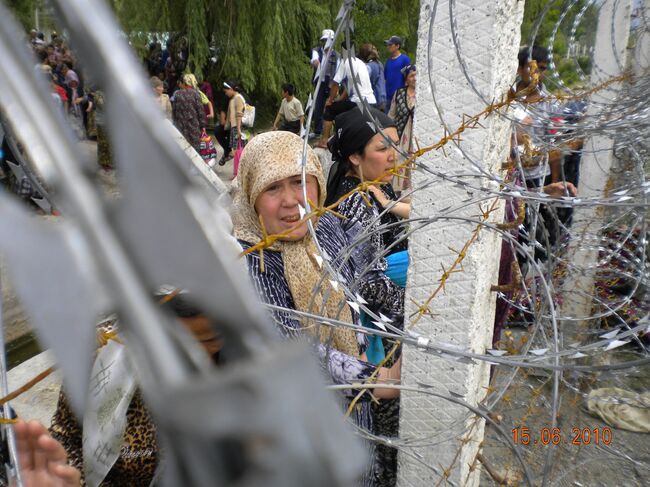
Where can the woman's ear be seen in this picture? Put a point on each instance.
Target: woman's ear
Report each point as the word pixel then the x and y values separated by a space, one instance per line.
pixel 355 159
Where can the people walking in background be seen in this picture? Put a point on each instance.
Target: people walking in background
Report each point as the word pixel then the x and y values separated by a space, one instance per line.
pixel 78 101
pixel 161 98
pixel 393 68
pixel 188 113
pixel 236 106
pixel 318 55
pixel 357 87
pixel 369 55
pixel 205 101
pixel 206 88
pixel 290 113
pixel 220 132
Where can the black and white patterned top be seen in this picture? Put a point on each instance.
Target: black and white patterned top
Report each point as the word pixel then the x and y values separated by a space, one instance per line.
pixel 385 236
pixel 273 288
pixel 381 294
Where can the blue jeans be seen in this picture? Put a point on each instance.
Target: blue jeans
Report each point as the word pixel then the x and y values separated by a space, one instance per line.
pixel 319 107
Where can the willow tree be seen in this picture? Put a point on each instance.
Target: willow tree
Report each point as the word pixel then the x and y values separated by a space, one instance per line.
pixel 263 43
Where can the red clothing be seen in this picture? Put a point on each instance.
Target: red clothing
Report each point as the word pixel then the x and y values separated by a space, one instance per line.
pixel 61 92
pixel 206 88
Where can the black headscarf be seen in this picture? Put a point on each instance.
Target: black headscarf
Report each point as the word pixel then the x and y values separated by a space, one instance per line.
pixel 353 132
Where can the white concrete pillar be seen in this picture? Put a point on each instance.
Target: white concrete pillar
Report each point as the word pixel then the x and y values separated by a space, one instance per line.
pixel 609 60
pixel 489 35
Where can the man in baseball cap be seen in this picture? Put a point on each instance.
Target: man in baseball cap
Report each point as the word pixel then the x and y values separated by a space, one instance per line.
pixel 327 35
pixel 393 40
pixel 326 73
pixel 393 68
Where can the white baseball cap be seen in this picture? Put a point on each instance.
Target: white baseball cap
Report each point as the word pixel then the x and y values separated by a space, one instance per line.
pixel 327 34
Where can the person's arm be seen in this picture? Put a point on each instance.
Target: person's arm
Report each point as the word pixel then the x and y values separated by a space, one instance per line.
pixel 314 59
pixel 398 208
pixel 392 112
pixel 559 189
pixel 571 146
pixel 301 113
pixel 43 460
pixel 210 110
pixel 555 159
pixel 198 106
pixel 334 91
pixel 335 84
pixel 239 113
pixel 277 120
pixel 168 107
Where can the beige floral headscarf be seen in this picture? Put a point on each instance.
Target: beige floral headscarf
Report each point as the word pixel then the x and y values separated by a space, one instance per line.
pixel 271 157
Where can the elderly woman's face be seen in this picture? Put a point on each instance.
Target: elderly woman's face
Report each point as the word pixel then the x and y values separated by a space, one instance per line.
pixel 378 157
pixel 277 205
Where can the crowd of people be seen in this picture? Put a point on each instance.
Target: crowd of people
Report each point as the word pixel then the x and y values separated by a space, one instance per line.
pixel 196 109
pixel 71 94
pixel 269 196
pixel 344 84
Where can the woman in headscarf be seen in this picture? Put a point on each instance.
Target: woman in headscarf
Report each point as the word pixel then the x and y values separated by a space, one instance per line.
pixel 188 113
pixel 363 150
pixel 288 274
pixel 402 110
pixel 233 123
pixel 208 108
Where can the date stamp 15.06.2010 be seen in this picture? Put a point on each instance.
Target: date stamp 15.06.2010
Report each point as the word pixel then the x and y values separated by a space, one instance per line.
pixel 555 436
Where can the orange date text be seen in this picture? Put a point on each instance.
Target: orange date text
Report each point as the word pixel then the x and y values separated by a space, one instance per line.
pixel 555 436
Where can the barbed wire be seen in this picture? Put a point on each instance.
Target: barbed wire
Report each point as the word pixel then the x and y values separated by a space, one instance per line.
pixel 550 357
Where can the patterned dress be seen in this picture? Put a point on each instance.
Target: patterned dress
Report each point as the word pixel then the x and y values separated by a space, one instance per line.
pixel 189 116
pixel 374 287
pixel 390 239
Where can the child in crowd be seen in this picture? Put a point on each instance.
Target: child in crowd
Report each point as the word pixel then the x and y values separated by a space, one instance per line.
pixel 290 113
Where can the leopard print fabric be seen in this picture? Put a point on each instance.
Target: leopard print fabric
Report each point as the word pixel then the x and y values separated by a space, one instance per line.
pixel 138 460
pixel 136 465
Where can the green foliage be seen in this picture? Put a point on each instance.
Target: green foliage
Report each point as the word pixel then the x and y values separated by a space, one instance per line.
pixel 566 70
pixel 264 43
pixel 24 11
pixel 585 63
pixel 377 20
pixel 552 11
